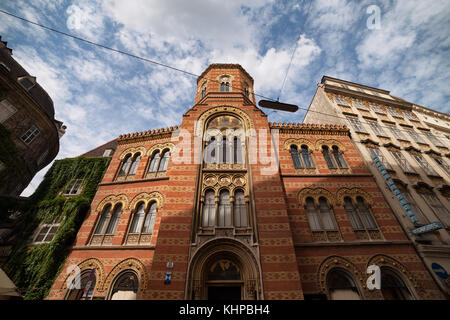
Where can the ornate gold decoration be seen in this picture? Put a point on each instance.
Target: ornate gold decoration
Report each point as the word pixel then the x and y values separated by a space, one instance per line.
pixel 146 198
pixel 199 124
pixel 91 263
pixel 113 200
pixel 329 143
pixel 352 193
pixel 133 151
pixel 315 193
pixel 210 180
pixel 161 147
pixel 224 180
pixel 298 142
pixel 130 263
pixel 341 263
pixel 238 180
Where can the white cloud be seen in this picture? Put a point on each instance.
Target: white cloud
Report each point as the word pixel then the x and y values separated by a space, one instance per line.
pixel 86 18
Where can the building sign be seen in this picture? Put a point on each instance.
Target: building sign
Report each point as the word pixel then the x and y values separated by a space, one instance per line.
pixel 394 189
pixel 429 227
pixel 441 273
pixel 424 229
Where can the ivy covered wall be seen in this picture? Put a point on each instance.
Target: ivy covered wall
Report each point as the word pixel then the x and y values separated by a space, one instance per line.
pixel 33 268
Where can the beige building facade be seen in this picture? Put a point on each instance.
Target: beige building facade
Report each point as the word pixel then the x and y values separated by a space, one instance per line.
pixel 412 142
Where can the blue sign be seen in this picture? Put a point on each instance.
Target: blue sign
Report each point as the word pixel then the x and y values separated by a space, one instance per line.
pixel 427 228
pixel 439 270
pixel 394 189
pixel 168 277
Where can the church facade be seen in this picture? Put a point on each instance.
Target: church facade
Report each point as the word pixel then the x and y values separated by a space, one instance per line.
pixel 230 206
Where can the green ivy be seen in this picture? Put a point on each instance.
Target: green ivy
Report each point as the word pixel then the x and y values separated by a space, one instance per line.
pixel 34 268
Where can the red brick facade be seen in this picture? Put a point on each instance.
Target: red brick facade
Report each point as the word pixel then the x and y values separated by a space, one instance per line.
pixel 277 254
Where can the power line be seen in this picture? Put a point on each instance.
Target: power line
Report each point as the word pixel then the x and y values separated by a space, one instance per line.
pixel 177 69
pixel 293 53
pixel 118 51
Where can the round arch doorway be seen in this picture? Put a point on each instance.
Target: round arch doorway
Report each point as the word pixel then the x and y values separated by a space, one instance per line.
pixel 224 281
pixel 224 269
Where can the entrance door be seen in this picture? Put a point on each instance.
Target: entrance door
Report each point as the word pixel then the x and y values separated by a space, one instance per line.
pixel 216 293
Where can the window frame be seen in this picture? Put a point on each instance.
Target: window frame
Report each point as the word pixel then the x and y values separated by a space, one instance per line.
pixel 50 226
pixel 30 135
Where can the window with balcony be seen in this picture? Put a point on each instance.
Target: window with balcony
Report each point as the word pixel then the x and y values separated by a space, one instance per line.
pixel 424 165
pixel 357 125
pixel 377 129
pixel 402 162
pixel 379 154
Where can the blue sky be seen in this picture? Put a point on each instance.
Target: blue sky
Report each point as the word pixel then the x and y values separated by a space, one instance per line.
pixel 100 94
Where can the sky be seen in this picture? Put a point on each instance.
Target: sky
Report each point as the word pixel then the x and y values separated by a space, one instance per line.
pixel 100 94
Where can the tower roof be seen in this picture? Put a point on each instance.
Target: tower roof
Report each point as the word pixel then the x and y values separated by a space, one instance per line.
pixel 225 66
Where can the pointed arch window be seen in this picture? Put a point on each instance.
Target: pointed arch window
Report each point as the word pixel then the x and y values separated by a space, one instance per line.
pixel 104 218
pixel 240 209
pixel 209 209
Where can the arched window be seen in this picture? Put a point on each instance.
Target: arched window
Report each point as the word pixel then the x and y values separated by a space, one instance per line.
pixel 224 214
pixel 353 216
pixel 203 89
pixel 296 157
pixel 224 154
pixel 361 218
pixel 86 289
pixel 240 209
pixel 224 86
pixel 112 226
pixel 313 217
pixel 341 286
pixel 134 164
pixel 164 161
pixel 392 287
pixel 149 222
pixel 237 150
pixel 328 159
pixel 144 220
pixel 365 214
pixel 224 136
pixel 340 161
pixel 326 215
pixel 125 165
pixel 154 163
pixel 104 218
pixel 125 287
pixel 209 209
pixel 138 218
pixel 307 158
pixel 211 151
pixel 321 220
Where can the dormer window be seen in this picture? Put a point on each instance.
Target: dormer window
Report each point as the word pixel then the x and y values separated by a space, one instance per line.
pixel 27 82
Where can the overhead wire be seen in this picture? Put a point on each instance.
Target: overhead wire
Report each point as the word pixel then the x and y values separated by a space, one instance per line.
pixel 180 70
pixel 293 53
